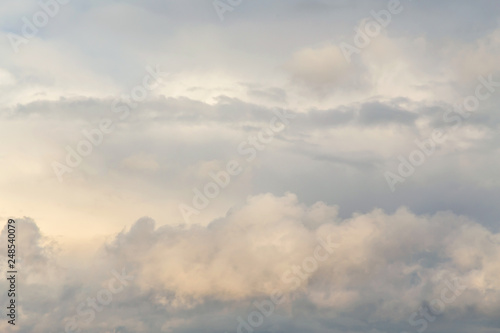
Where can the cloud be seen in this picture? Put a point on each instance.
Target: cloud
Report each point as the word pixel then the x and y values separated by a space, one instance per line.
pixel 325 68
pixel 352 121
pixel 141 163
pixel 384 267
pixel 377 114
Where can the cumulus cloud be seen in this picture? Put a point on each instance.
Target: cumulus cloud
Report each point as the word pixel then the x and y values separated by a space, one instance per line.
pixel 383 268
pixel 352 120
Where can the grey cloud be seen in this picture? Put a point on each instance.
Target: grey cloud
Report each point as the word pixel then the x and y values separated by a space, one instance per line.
pixel 352 122
pixel 377 114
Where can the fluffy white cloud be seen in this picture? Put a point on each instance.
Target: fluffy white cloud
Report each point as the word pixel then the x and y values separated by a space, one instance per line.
pixel 383 268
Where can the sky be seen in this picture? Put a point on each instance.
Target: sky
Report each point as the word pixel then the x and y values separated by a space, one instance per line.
pixel 248 166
